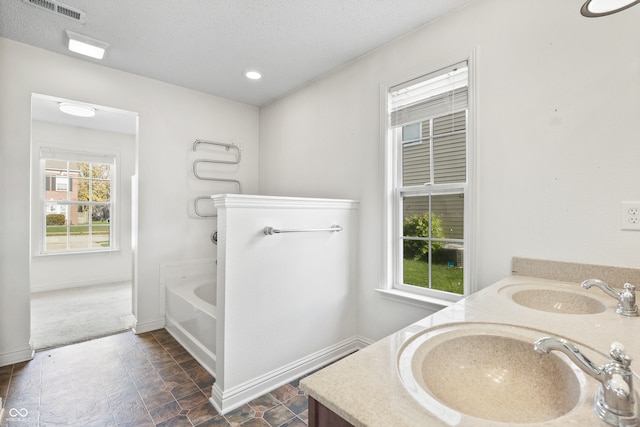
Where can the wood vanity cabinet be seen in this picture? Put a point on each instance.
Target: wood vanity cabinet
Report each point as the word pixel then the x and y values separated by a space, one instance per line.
pixel 321 416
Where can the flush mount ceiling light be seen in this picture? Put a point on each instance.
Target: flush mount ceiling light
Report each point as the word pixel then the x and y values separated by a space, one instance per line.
pixel 86 45
pixel 595 8
pixel 255 75
pixel 76 110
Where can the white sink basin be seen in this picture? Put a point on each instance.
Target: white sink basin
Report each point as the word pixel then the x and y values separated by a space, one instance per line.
pixel 554 300
pixel 490 372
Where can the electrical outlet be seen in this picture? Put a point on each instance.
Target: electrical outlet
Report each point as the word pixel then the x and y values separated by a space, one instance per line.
pixel 630 216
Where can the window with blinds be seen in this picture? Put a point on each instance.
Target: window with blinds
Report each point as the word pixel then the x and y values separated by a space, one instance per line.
pixel 428 119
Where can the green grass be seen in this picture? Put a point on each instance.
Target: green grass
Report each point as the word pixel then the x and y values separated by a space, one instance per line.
pixel 74 230
pixel 445 278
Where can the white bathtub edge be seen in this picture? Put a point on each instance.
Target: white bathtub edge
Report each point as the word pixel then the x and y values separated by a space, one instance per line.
pixel 203 356
pixel 225 401
pixel 185 289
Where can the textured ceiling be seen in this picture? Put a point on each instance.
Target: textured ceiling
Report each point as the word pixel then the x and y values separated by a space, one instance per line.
pixel 207 45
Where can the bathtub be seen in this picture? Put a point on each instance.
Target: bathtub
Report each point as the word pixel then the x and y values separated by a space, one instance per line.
pixel 191 316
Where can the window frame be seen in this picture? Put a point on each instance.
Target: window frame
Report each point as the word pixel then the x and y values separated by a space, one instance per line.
pixel 391 266
pixel 72 156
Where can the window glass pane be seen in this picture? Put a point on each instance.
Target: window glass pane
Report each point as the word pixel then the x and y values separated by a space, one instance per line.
pixel 411 132
pixel 414 211
pixel 449 149
pixel 100 214
pixel 62 183
pixel 78 237
pixel 53 209
pixel 444 275
pixel 80 169
pixel 79 229
pixel 56 227
pixel 449 209
pixel 101 191
pixel 56 239
pixel 78 214
pixel 101 227
pixel 449 123
pixel 415 271
pixel 449 159
pixel 416 160
pixel 100 171
pixel 80 190
pixel 447 273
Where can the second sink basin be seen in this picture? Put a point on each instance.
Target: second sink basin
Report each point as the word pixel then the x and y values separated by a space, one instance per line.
pixel 562 301
pixel 490 372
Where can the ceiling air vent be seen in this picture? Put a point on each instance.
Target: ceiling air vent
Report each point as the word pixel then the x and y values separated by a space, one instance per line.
pixel 60 9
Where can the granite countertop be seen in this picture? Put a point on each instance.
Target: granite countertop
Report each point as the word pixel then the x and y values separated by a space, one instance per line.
pixel 365 388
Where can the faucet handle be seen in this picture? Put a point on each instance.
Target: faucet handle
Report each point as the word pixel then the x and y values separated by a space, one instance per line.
pixel 619 386
pixel 617 353
pixel 627 304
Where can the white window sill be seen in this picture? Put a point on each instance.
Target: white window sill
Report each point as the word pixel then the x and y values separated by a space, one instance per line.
pixel 421 301
pixel 97 251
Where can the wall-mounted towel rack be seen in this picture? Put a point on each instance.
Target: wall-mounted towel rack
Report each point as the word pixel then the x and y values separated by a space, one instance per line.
pixel 196 162
pixel 270 230
pixel 219 144
pixel 196 201
pixel 208 178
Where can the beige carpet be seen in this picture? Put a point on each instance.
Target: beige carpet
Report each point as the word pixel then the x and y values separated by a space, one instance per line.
pixel 74 315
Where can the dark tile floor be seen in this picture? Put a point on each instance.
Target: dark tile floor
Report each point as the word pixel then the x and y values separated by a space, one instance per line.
pixel 131 380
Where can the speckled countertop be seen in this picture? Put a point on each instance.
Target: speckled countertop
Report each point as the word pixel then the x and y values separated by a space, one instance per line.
pixel 365 388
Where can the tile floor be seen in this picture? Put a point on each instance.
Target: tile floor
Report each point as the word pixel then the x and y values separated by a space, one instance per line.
pixel 130 380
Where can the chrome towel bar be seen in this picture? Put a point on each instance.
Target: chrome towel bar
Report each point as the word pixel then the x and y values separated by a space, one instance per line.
pixel 227 147
pixel 270 230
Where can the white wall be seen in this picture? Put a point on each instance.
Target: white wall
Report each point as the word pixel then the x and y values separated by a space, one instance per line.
pixel 557 146
pixel 59 271
pixel 170 119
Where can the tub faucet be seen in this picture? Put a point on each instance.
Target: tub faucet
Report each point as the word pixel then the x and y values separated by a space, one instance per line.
pixel 626 299
pixel 615 401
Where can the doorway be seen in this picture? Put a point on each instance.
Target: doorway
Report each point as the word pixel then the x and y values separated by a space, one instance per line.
pixel 82 199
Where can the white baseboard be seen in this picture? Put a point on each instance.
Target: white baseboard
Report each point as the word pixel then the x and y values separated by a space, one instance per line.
pixel 362 342
pixel 82 284
pixel 143 327
pixel 227 400
pixel 16 356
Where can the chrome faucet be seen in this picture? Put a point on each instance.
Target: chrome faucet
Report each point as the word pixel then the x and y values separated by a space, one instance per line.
pixel 615 402
pixel 626 299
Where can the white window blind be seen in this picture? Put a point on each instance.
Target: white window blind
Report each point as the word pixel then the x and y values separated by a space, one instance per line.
pixel 432 95
pixel 75 156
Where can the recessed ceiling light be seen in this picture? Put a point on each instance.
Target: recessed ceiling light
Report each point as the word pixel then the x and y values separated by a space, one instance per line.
pixel 595 8
pixel 86 45
pixel 77 110
pixel 253 75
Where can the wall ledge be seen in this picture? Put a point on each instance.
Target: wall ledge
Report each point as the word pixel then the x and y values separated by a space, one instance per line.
pixel 277 202
pixel 574 272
